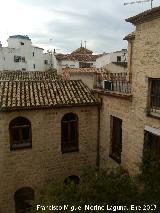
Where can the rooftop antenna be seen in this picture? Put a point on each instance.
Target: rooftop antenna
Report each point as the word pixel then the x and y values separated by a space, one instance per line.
pixel 141 1
pixel 85 43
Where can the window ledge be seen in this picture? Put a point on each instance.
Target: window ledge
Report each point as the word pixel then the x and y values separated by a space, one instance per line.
pixel 21 146
pixel 154 115
pixel 70 150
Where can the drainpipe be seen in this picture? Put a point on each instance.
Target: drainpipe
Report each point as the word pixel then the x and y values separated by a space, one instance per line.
pixel 98 140
pixel 130 61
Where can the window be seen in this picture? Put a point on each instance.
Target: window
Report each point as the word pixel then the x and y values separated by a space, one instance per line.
pixel 17 58
pixel 22 198
pixel 22 43
pixel 34 66
pixel 118 58
pixel 23 69
pixel 151 151
pixel 85 65
pixel 33 53
pixel 45 61
pixel 154 95
pixel 23 59
pixel 69 133
pixel 20 133
pixel 116 139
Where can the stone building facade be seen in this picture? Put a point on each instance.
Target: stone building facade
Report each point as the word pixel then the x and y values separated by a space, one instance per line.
pixel 130 120
pixel 115 128
pixel 44 104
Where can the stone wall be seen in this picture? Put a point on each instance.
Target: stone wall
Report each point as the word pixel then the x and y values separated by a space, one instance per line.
pixel 87 78
pixel 34 166
pixel 145 62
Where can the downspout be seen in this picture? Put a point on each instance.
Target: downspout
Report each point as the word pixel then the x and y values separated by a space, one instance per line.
pixel 98 139
pixel 130 60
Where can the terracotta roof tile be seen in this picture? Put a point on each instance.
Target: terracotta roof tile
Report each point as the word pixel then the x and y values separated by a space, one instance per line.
pixel 145 16
pixel 84 70
pixel 17 94
pixel 82 50
pixel 31 75
pixel 74 57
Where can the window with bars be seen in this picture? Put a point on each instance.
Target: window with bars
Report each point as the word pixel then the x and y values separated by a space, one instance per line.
pixel 151 151
pixel 154 95
pixel 69 133
pixel 20 133
pixel 116 139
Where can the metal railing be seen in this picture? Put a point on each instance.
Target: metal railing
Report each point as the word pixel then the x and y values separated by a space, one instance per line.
pixel 115 86
pixel 115 82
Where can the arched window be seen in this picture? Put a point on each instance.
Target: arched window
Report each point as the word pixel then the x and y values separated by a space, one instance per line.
pixel 20 133
pixel 69 133
pixel 22 198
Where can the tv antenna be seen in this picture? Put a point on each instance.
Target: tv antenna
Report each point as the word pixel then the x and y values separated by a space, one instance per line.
pixel 141 1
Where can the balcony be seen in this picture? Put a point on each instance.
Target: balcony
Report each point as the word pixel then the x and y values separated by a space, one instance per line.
pixel 115 84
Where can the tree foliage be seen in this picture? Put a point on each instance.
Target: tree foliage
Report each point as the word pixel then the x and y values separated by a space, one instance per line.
pixel 113 188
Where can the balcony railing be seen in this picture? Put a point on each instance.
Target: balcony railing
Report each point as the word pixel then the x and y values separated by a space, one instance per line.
pixel 114 86
pixel 113 82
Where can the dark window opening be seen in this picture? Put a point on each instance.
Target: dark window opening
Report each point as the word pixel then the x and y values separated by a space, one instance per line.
pixel 72 179
pixel 20 133
pixel 33 53
pixel 17 58
pixel 23 69
pixel 22 198
pixel 151 151
pixel 45 61
pixel 69 133
pixel 118 58
pixel 22 43
pixel 34 66
pixel 116 139
pixel 85 65
pixel 154 95
pixel 23 59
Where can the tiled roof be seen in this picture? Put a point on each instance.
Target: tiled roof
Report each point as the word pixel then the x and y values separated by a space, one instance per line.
pixel 77 57
pixel 18 94
pixel 84 70
pixel 145 16
pixel 102 73
pixel 82 50
pixel 25 75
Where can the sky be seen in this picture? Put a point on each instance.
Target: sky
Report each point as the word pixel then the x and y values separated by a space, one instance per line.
pixel 62 24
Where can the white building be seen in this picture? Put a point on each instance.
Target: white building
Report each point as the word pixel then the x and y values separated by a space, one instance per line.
pixel 79 58
pixel 22 55
pixel 107 58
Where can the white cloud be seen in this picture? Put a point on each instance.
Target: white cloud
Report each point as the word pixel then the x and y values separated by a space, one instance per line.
pixel 62 24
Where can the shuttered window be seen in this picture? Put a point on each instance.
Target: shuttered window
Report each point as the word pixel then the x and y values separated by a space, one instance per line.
pixel 116 139
pixel 154 95
pixel 69 133
pixel 151 148
pixel 20 133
